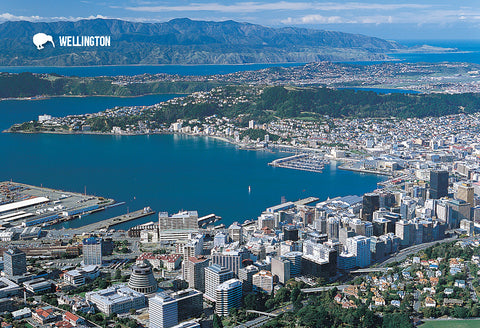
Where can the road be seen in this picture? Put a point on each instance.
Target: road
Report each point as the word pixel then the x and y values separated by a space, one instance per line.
pixel 260 321
pixel 323 289
pixel 402 255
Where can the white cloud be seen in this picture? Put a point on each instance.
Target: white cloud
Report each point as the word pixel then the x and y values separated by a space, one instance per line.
pixel 9 17
pixel 316 19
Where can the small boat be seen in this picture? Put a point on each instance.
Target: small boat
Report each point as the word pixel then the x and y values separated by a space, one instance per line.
pixel 249 189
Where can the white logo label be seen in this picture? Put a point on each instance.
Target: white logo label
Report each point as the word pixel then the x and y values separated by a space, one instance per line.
pixel 40 39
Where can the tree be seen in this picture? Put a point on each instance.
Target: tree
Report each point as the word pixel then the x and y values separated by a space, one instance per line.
pixel 295 294
pixel 270 304
pixel 396 320
pixel 118 275
pixel 217 321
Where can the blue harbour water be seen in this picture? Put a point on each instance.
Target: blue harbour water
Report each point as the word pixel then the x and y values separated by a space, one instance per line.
pixel 166 172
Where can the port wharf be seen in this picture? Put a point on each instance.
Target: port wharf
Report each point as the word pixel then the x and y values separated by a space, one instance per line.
pixel 26 205
pixel 108 223
pixel 303 162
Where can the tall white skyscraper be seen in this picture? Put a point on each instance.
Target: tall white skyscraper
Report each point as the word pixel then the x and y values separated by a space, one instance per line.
pixel 163 311
pixel 360 247
pixel 229 296
pixel 214 276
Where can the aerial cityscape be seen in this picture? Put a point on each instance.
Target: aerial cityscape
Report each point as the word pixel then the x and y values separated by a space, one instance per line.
pixel 253 164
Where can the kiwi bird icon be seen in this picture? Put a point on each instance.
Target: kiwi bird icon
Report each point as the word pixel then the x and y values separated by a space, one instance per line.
pixel 40 39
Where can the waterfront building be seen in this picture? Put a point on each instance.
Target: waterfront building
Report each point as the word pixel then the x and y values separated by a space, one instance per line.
pixel 194 272
pixel 266 220
pixel 214 276
pixel 220 239
pixel 263 281
pixel 116 299
pixel 438 184
pixel 236 232
pixel 182 220
pixel 92 251
pixel 178 227
pixel 142 279
pixel 228 296
pixel 360 247
pixel 15 262
pixel 163 311
pixel 246 276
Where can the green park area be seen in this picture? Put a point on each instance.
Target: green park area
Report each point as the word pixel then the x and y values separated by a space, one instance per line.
pixel 452 324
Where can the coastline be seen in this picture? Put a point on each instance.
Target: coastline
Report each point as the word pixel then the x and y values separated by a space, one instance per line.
pixel 87 96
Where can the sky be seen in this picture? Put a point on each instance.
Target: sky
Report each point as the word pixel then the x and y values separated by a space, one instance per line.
pixel 389 19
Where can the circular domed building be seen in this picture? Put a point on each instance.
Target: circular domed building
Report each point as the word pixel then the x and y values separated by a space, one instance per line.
pixel 142 279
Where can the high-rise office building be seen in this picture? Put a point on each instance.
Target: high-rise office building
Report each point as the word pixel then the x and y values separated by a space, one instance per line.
pixel 182 220
pixel 194 272
pixel 231 259
pixel 371 203
pixel 404 231
pixel 295 259
pixel 246 276
pixel 263 281
pixel 360 247
pixel 290 232
pixel 281 269
pixel 214 276
pixel 92 251
pixel 333 227
pixel 163 311
pixel 438 184
pixel 466 193
pixel 15 262
pixel 228 296
pixel 189 302
pixel 235 231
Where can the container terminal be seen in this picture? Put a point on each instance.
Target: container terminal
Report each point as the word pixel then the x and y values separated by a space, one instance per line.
pixel 26 205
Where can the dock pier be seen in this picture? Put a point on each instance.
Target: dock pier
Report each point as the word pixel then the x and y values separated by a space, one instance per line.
pixel 108 223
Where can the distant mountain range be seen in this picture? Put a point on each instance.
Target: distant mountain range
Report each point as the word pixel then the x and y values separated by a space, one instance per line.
pixel 183 41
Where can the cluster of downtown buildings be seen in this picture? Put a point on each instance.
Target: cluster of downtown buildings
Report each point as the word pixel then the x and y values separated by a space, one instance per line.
pixel 218 266
pixel 302 241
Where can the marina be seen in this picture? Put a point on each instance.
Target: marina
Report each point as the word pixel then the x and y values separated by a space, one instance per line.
pixel 303 162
